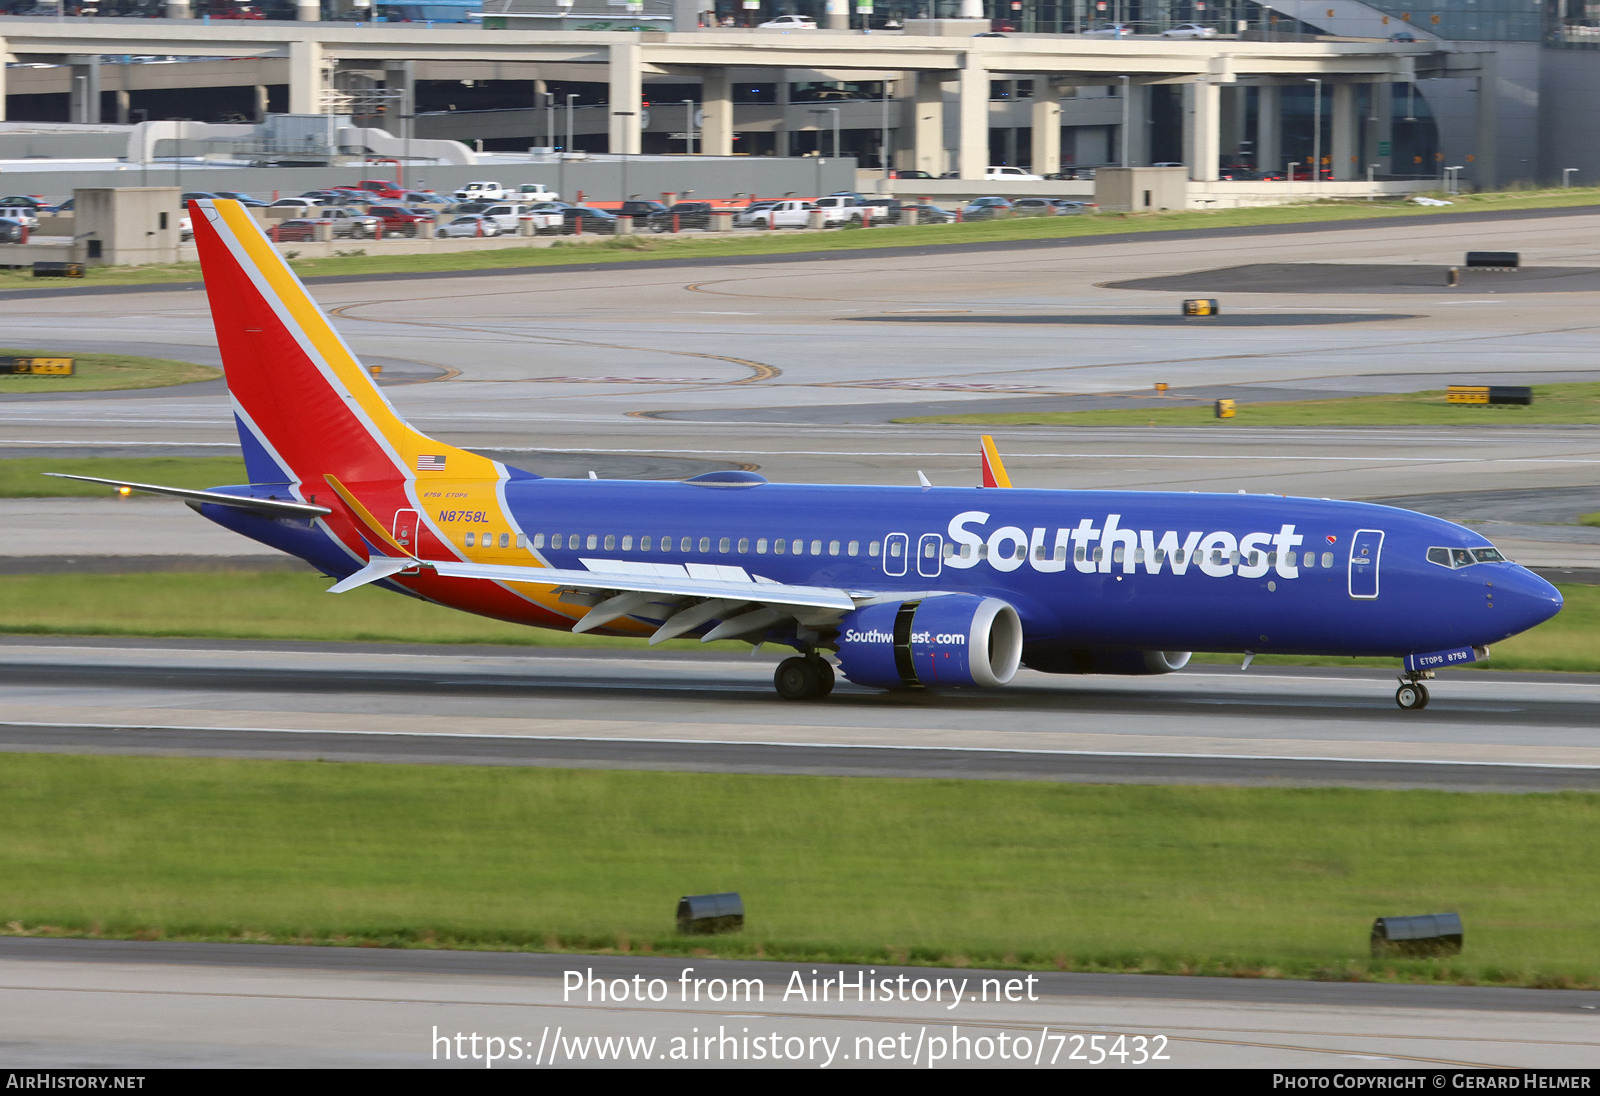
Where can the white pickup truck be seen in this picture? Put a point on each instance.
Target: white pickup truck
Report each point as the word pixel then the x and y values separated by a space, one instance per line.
pixel 788 214
pixel 853 209
pixel 508 215
pixel 485 190
pixel 536 192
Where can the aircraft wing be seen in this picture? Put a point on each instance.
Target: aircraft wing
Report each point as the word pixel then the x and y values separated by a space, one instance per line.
pixel 742 605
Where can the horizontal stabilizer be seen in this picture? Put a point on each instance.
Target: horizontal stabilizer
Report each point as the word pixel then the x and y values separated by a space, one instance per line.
pixel 376 570
pixel 278 508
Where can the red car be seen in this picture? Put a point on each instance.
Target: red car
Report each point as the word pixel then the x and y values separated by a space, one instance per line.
pixel 398 219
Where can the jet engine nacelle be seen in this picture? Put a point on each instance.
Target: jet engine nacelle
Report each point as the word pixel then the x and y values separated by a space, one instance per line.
pixel 948 641
pixel 1059 660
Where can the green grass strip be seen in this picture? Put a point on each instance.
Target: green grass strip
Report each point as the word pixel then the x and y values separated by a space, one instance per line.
pixel 357 261
pixel 1175 879
pixel 296 606
pixel 102 373
pixel 1552 403
pixel 22 477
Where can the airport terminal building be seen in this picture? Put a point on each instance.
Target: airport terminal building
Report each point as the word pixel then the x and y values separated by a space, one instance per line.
pixel 1488 92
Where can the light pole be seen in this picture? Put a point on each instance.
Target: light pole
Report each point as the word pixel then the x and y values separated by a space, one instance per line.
pixel 568 146
pixel 622 153
pixel 688 126
pixel 1124 80
pixel 1566 176
pixel 550 119
pixel 1316 130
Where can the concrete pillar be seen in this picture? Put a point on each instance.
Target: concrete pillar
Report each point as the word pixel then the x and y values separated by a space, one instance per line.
pixel 972 112
pixel 179 9
pixel 1231 123
pixel 308 11
pixel 262 97
pixel 1136 150
pixel 1206 120
pixel 1008 142
pixel 1380 129
pixel 3 58
pixel 305 78
pixel 626 74
pixel 972 9
pixel 1345 156
pixel 122 99
pixel 781 139
pixel 85 88
pixel 838 15
pixel 1269 128
pixel 716 107
pixel 927 125
pixel 1484 167
pixel 400 76
pixel 1046 158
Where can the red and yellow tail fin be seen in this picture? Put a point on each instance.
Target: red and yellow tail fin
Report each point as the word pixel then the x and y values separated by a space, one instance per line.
pixel 306 407
pixel 994 469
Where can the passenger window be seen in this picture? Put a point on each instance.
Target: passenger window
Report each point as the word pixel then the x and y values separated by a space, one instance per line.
pixel 644 544
pixel 949 550
pixel 572 541
pixel 1161 555
pixel 611 542
pixel 779 547
pixel 854 548
pixel 538 540
pixel 1272 559
pixel 666 544
pixel 744 545
pixel 686 544
pixel 798 547
pixel 1081 554
pixel 761 546
pixel 872 550
pixel 1327 559
pixel 833 547
pixel 1116 554
pixel 555 540
pixel 470 540
pixel 1233 558
pixel 894 550
pixel 983 551
pixel 705 544
pixel 1177 557
pixel 1099 554
pixel 724 545
pixel 627 542
pixel 505 540
pixel 522 540
pixel 594 541
pixel 816 547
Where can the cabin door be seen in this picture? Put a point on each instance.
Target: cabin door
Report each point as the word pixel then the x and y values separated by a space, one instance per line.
pixel 1364 552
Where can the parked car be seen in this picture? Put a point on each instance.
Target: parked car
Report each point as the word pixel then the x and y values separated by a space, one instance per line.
pixel 1066 207
pixel 1110 30
pixel 1189 30
pixel 12 231
pixel 789 22
pixel 986 209
pixel 691 214
pixel 470 224
pixel 348 224
pixel 536 192
pixel 293 231
pixel 398 220
pixel 1034 207
pixel 1002 174
pixel 926 214
pixel 482 191
pixel 909 174
pixel 594 220
pixel 22 214
pixel 241 197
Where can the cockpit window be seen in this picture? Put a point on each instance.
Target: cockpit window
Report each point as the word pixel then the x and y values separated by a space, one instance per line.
pixel 1464 557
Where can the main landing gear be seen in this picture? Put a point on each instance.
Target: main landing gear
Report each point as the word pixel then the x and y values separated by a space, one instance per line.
pixel 807 677
pixel 1412 695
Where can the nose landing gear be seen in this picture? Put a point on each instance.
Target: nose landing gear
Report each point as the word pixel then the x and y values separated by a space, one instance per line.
pixel 1412 695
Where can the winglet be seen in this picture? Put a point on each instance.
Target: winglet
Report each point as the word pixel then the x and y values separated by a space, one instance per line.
pixel 994 469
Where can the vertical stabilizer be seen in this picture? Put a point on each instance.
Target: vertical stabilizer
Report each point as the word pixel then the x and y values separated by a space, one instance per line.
pixel 305 406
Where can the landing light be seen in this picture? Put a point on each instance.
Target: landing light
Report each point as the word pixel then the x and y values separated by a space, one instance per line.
pixel 124 491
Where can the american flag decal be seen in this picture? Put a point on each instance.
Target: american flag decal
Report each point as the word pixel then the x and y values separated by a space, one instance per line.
pixel 430 464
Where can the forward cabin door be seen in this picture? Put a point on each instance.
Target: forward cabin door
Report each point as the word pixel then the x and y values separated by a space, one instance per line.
pixel 1364 552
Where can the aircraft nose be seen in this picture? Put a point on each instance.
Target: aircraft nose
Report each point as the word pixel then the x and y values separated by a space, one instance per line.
pixel 1522 599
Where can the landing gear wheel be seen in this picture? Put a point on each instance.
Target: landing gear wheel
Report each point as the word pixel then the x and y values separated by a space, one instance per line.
pixel 803 678
pixel 1411 697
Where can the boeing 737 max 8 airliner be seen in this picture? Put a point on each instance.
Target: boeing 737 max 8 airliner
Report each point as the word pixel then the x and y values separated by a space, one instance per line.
pixel 906 587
